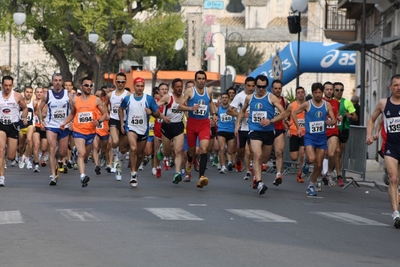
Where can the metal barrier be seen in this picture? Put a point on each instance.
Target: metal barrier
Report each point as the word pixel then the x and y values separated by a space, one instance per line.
pixel 354 158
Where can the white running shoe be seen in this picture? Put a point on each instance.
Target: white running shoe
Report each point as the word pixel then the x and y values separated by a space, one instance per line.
pixel 2 181
pixel 223 170
pixel 134 181
pixel 154 171
pixel 36 169
pixel 219 166
pixel 21 162
pixel 29 164
pixel 141 167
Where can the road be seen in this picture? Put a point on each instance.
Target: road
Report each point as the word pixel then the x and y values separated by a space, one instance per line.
pixel 161 224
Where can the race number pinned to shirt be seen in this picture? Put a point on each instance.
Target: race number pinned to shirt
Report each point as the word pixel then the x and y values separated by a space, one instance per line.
pixel 301 122
pixel 225 117
pixel 202 110
pixel 137 120
pixel 393 125
pixel 317 126
pixel 258 116
pixel 59 114
pixel 85 117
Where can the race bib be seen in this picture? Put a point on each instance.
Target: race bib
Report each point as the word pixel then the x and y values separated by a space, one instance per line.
pixel 85 117
pixel 393 125
pixel 301 122
pixel 317 126
pixel 59 114
pixel 5 119
pixel 151 126
pixel 257 116
pixel 137 120
pixel 225 117
pixel 114 108
pixel 201 111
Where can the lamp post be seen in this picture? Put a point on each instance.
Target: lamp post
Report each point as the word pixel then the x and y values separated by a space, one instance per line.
pixel 241 49
pixel 19 19
pixel 298 6
pixel 94 37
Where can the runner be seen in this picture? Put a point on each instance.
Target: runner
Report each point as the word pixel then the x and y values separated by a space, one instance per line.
pixel 390 108
pixel 198 101
pixel 58 108
pixel 26 132
pixel 138 108
pixel 39 135
pixel 261 106
pixel 85 119
pixel 10 104
pixel 315 139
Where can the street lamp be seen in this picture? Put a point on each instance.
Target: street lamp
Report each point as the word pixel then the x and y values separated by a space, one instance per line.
pixel 94 37
pixel 241 49
pixel 19 19
pixel 298 6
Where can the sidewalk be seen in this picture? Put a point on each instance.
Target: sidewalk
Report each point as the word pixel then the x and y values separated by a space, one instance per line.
pixel 371 178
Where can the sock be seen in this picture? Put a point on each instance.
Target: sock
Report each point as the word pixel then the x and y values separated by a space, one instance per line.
pixel 278 173
pixel 203 164
pixel 83 176
pixel 311 184
pixel 324 166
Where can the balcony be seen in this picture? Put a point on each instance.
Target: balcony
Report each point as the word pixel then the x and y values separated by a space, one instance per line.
pixel 337 26
pixel 354 7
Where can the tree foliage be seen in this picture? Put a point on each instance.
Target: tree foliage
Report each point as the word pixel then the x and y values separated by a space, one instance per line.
pixel 247 63
pixel 62 26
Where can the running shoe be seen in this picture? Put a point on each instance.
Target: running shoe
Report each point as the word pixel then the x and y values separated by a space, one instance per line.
pixel 154 171
pixel 219 166
pixel 254 184
pixel 145 161
pixel 134 180
pixel 85 180
pixel 278 180
pixel 238 165
pixel 325 179
pixel 97 170
pixel 187 178
pixel 396 219
pixel 247 176
pixel 2 181
pixel 331 182
pixel 215 161
pixel 29 164
pixel 21 163
pixel 306 168
pixel 75 166
pixel 158 173
pixel 166 163
pixel 141 167
pixel 65 168
pixel 14 163
pixel 177 178
pixel 340 181
pixel 261 188
pixel 264 168
pixel 196 164
pixel 160 155
pixel 230 166
pixel 36 168
pixel 69 164
pixel 171 163
pixel 188 166
pixel 211 157
pixel 203 181
pixel 53 180
pixel 108 168
pixel 299 178
pixel 60 167
pixel 311 191
pixel 223 170
pixel 318 185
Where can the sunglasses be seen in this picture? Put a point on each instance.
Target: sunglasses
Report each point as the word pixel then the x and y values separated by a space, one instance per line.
pixel 120 81
pixel 261 86
pixel 337 90
pixel 87 85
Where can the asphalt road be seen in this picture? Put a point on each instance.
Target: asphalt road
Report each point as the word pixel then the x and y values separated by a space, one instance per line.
pixel 161 224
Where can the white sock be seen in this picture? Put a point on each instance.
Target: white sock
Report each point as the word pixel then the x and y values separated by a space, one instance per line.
pixel 83 176
pixel 324 166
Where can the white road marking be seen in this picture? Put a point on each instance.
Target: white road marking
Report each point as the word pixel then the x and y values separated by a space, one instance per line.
pixel 83 215
pixel 198 205
pixel 260 215
pixel 349 218
pixel 173 214
pixel 10 217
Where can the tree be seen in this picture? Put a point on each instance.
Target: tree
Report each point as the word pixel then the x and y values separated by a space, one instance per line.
pixel 247 63
pixel 62 26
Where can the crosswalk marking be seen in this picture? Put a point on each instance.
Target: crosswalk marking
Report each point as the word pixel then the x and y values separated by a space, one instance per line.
pixel 173 214
pixel 349 218
pixel 10 217
pixel 260 215
pixel 84 215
